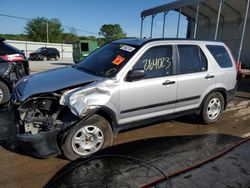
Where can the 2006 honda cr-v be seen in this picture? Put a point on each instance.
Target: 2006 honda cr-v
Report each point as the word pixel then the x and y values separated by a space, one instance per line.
pixel 76 110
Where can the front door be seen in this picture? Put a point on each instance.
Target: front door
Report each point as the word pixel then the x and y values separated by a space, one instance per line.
pixel 154 95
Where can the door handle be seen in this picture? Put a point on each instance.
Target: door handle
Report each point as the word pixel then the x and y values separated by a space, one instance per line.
pixel 209 76
pixel 168 82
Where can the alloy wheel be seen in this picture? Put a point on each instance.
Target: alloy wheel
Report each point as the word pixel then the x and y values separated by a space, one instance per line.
pixel 214 108
pixel 87 140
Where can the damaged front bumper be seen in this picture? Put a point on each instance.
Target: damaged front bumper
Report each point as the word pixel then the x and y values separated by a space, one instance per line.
pixel 41 145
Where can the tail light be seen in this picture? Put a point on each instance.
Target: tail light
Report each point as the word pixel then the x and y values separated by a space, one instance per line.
pixel 237 65
pixel 13 57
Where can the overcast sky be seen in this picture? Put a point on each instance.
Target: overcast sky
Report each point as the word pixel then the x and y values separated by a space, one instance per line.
pixel 89 15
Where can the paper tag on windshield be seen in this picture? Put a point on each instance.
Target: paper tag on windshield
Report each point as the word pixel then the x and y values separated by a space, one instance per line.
pixel 118 60
pixel 127 48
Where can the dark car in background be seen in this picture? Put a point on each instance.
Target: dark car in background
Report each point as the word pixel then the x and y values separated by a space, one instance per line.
pixel 45 54
pixel 13 67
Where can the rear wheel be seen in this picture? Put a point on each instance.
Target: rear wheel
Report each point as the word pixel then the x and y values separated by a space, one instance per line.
pixel 4 93
pixel 213 108
pixel 88 138
pixel 57 57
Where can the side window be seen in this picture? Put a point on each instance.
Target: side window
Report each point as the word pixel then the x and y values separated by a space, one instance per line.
pixel 156 62
pixel 221 55
pixel 192 59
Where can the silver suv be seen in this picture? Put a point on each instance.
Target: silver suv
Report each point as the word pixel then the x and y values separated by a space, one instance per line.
pixel 127 83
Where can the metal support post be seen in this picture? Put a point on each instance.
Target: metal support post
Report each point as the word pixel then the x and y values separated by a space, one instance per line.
pixel 178 26
pixel 47 30
pixel 196 18
pixel 152 23
pixel 218 19
pixel 243 31
pixel 164 21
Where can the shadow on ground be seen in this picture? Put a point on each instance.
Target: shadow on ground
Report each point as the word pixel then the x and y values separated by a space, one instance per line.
pixel 135 163
pixel 244 85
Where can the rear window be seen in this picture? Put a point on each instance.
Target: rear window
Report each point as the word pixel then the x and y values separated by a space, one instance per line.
pixel 221 55
pixel 6 49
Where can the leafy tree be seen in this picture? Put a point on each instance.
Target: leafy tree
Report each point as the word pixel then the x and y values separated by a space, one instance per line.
pixel 88 38
pixel 14 36
pixel 112 32
pixel 69 38
pixel 36 29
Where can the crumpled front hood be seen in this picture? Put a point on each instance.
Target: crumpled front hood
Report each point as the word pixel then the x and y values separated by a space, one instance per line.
pixel 52 80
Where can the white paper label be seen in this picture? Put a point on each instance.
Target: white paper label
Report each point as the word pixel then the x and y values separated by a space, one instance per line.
pixel 127 48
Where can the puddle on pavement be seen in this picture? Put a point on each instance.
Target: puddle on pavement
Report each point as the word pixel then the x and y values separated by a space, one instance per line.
pixel 112 169
pixel 230 170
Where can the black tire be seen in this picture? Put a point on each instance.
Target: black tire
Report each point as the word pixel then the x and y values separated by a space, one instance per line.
pixel 94 120
pixel 45 58
pixel 206 116
pixel 4 91
pixel 56 57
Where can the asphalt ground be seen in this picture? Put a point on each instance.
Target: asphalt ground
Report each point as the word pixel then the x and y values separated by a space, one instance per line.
pixel 38 66
pixel 167 146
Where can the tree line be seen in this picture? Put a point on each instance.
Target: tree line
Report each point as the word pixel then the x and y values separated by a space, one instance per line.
pixel 42 29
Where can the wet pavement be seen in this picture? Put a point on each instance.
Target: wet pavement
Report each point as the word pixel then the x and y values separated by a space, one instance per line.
pixel 231 170
pixel 168 146
pixel 150 160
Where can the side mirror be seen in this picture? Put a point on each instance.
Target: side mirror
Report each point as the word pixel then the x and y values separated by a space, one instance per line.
pixel 135 75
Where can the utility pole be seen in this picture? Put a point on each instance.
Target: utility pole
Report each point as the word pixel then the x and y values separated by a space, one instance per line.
pixel 47 29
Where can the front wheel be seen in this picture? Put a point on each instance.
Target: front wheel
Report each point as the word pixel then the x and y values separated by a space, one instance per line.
pixel 213 108
pixel 88 138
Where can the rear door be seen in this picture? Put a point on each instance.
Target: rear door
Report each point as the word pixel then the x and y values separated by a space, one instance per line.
pixel 195 77
pixel 225 70
pixel 154 95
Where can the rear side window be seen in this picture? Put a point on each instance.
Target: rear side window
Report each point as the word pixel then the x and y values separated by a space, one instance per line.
pixel 192 59
pixel 6 49
pixel 156 62
pixel 221 55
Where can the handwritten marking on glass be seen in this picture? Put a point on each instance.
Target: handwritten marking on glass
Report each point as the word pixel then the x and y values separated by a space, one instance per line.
pixel 157 63
pixel 110 71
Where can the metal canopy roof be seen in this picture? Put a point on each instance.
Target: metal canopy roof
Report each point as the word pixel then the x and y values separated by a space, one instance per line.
pixel 205 12
pixel 208 10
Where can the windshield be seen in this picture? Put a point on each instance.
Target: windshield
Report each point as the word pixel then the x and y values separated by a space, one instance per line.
pixel 108 60
pixel 38 50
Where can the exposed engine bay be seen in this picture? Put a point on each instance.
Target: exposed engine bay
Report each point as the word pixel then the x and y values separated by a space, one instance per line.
pixel 44 113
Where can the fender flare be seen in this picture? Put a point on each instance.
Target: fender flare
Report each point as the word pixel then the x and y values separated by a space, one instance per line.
pixel 224 93
pixel 103 111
